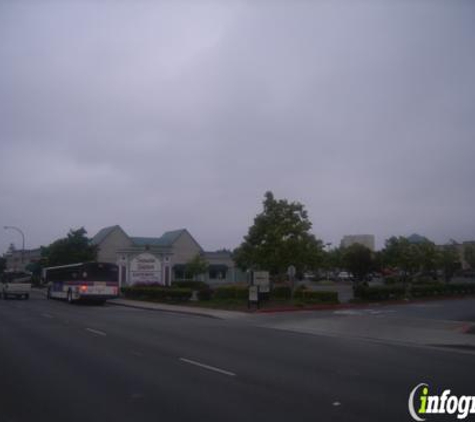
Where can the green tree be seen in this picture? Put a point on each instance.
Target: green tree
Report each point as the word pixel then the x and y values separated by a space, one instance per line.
pixel 196 266
pixel 428 256
pixel 358 260
pixel 469 255
pixel 3 264
pixel 449 260
pixel 279 237
pixel 334 259
pixel 75 247
pixel 402 254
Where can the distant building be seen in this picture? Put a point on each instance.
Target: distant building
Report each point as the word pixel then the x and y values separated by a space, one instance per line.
pixel 362 239
pixel 19 260
pixel 161 259
pixel 460 247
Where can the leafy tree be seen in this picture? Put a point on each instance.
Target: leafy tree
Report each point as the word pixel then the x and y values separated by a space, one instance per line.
pixel 76 247
pixel 469 255
pixel 196 266
pixel 334 259
pixel 358 260
pixel 3 264
pixel 402 254
pixel 449 260
pixel 378 261
pixel 429 256
pixel 279 237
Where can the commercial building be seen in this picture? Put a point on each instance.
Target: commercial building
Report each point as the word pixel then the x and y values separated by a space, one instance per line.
pixel 362 239
pixel 161 259
pixel 19 260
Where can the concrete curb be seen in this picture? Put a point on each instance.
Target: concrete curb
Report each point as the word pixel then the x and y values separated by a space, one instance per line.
pixel 204 312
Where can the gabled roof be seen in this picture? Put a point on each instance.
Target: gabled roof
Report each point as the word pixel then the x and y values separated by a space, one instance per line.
pixel 218 254
pixel 172 236
pixel 151 241
pixel 167 239
pixel 103 233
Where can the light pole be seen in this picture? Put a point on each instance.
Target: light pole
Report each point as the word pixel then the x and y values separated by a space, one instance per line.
pixel 22 238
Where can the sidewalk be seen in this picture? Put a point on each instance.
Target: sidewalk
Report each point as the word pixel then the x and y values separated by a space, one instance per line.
pixel 384 328
pixel 162 307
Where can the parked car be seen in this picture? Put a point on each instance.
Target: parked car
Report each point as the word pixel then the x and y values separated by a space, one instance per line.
pixel 16 284
pixel 344 276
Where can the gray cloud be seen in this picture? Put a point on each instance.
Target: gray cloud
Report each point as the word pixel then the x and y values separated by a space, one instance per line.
pixel 182 114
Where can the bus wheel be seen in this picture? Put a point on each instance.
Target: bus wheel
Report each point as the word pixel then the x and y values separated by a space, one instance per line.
pixel 70 296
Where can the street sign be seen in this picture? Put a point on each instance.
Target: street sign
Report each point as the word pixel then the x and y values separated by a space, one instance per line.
pixel 261 279
pixel 254 294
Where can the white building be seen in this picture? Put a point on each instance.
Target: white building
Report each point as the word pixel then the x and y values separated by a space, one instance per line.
pixel 161 259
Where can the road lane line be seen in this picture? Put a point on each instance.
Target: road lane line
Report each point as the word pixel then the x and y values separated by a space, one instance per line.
pixel 210 368
pixel 100 333
pixel 47 316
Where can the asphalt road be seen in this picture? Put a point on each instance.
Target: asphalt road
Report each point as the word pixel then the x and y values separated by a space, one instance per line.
pixel 61 362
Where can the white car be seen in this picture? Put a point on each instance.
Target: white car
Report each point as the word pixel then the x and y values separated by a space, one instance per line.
pixel 16 284
pixel 344 276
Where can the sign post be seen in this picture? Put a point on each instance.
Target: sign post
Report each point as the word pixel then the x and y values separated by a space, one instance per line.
pixel 291 271
pixel 253 296
pixel 261 279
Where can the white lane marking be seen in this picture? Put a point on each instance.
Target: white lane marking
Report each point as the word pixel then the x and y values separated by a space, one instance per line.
pixel 336 403
pixel 100 333
pixel 47 316
pixel 210 368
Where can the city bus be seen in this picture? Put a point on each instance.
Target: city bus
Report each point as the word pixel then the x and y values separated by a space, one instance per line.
pixel 97 281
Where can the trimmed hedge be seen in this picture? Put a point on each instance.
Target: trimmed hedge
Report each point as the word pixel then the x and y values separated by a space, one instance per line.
pixel 157 293
pixel 205 294
pixel 414 290
pixel 311 296
pixel 380 292
pixel 190 284
pixel 280 292
pixel 231 292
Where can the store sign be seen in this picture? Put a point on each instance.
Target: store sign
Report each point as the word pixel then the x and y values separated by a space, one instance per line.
pixel 145 268
pixel 261 279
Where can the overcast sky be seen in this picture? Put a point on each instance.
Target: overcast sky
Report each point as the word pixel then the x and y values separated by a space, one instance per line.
pixel 163 115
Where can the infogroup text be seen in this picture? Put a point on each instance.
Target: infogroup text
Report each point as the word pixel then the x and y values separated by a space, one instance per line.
pixel 422 404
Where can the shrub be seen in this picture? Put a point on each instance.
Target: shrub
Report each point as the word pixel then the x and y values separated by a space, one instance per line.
pixel 205 294
pixel 390 280
pixel 311 296
pixel 231 292
pixel 157 293
pixel 190 284
pixel 280 292
pixel 415 290
pixel 379 292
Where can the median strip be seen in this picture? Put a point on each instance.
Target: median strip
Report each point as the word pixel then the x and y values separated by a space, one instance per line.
pixel 210 368
pixel 100 333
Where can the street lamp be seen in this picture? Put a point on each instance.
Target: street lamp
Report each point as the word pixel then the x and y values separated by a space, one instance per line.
pixel 22 238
